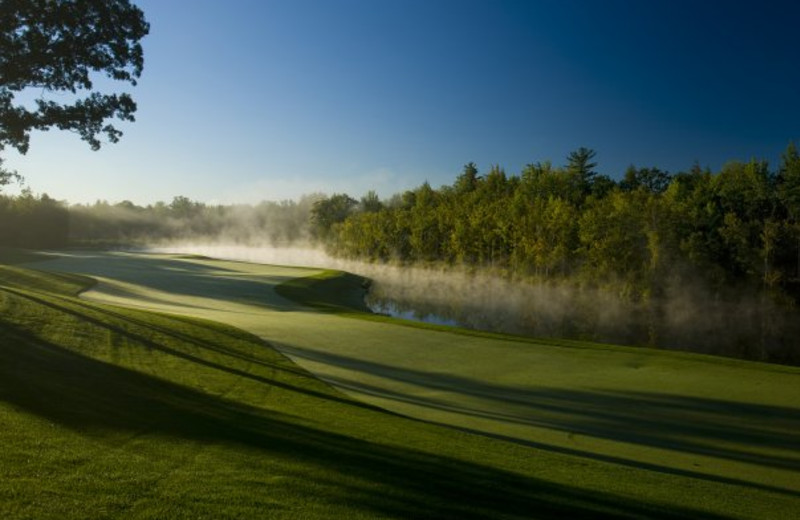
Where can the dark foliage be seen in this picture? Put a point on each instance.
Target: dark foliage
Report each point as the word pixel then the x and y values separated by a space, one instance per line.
pixel 62 46
pixel 33 222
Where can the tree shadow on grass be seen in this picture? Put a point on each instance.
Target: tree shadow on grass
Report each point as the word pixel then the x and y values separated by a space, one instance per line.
pixel 108 315
pixel 711 427
pixel 119 323
pixel 84 394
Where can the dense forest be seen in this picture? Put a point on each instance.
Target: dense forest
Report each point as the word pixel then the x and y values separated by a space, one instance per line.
pixel 740 225
pixel 730 236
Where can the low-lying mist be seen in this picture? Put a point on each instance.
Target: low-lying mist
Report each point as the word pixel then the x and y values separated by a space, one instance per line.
pixel 687 317
pixel 188 221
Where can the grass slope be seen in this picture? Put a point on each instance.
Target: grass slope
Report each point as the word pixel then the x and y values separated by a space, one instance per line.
pixel 112 412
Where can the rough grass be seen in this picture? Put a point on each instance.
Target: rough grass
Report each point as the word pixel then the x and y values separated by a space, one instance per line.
pixel 113 412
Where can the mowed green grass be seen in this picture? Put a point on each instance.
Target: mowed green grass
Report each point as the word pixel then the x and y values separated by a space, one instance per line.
pixel 111 413
pixel 114 412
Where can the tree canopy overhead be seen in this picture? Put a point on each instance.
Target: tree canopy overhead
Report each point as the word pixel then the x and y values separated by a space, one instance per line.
pixel 62 46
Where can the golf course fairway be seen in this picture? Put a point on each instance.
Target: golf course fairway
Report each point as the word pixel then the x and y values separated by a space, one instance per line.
pixel 710 434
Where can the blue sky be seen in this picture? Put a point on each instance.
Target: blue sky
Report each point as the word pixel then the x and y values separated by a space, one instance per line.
pixel 248 100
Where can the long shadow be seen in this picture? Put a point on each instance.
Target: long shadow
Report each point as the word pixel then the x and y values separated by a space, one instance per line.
pixel 446 406
pixel 144 300
pixel 686 424
pixel 149 343
pixel 172 332
pixel 82 393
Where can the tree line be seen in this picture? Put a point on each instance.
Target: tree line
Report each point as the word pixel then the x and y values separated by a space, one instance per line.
pixel 741 224
pixel 33 221
pixel 39 221
pixel 278 223
pixel 731 231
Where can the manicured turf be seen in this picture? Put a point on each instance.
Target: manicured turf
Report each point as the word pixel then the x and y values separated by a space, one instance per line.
pixel 122 412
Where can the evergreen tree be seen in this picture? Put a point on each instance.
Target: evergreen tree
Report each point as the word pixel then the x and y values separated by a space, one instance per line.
pixel 468 180
pixel 580 163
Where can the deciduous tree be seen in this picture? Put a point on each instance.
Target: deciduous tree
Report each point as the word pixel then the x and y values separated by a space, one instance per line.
pixel 52 52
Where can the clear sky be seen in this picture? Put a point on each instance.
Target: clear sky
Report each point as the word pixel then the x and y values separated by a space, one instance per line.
pixel 248 100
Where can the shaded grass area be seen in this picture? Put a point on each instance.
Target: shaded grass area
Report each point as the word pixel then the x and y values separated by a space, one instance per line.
pixel 328 291
pixel 691 425
pixel 14 255
pixel 110 413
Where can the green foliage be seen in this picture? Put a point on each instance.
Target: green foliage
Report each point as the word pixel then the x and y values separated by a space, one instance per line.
pixel 613 240
pixel 734 230
pixel 33 221
pixel 370 203
pixel 58 46
pixel 277 223
pixel 574 223
pixel 789 181
pixel 650 179
pixel 580 163
pixel 8 176
pixel 788 186
pixel 328 211
pixel 468 180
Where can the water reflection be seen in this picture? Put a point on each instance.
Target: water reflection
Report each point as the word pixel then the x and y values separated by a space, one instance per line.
pixel 455 313
pixel 397 310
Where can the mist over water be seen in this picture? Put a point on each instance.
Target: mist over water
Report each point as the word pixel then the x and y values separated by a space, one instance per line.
pixel 396 310
pixel 685 318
